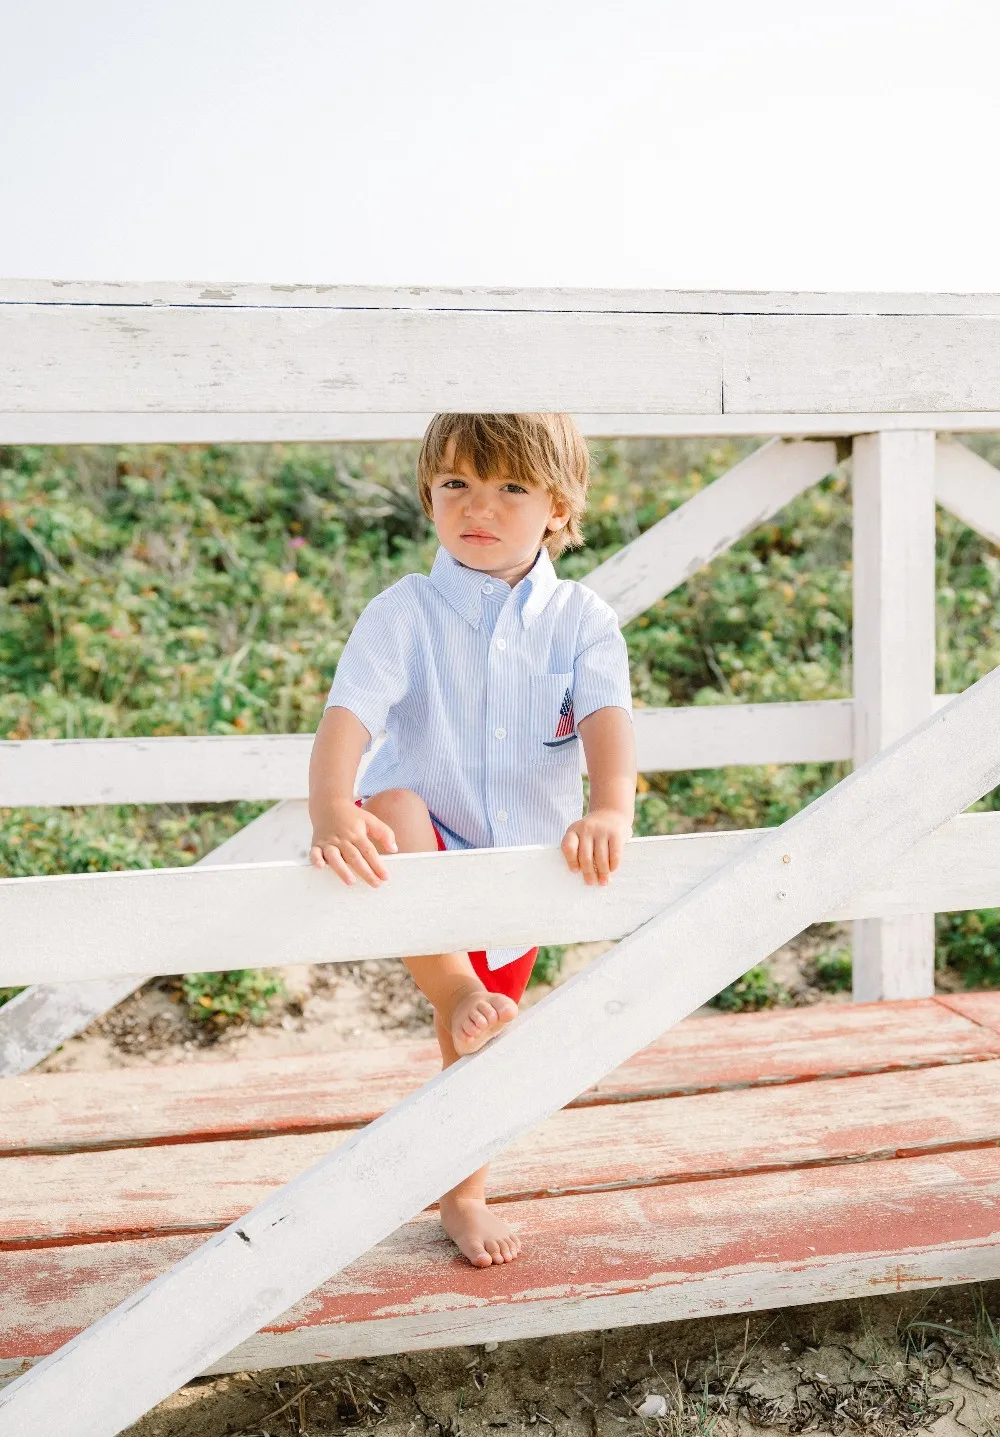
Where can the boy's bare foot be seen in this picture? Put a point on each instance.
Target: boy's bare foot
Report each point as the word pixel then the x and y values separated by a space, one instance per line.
pixel 477 1018
pixel 478 1230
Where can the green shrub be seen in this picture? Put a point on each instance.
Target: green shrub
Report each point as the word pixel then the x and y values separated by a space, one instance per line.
pixel 209 589
pixel 834 970
pixel 756 989
pixel 969 945
pixel 548 964
pixel 7 993
pixel 240 995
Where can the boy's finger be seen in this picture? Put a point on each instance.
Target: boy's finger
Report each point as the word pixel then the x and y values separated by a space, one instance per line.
pixel 335 859
pixel 601 863
pixel 356 861
pixel 587 858
pixel 571 849
pixel 382 832
pixel 368 849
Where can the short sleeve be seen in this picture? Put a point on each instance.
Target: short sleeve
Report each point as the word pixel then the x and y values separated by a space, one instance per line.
pixel 600 669
pixel 372 674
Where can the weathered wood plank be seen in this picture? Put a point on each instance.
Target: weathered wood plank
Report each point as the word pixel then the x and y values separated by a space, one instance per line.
pixel 860 362
pixel 600 1260
pixel 43 1016
pixel 67 927
pixel 708 524
pixel 56 1112
pixel 245 1276
pixel 969 486
pixel 893 662
pixel 479 297
pixel 224 359
pixel 210 769
pixel 259 428
pixel 200 1187
pixel 982 1008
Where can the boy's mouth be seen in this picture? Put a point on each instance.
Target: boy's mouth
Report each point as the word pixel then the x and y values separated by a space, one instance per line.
pixel 479 536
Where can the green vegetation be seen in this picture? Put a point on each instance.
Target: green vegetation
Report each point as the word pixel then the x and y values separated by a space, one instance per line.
pixel 833 970
pixel 205 589
pixel 242 994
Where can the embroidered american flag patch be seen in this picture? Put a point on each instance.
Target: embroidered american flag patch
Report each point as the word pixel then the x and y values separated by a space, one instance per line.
pixel 566 724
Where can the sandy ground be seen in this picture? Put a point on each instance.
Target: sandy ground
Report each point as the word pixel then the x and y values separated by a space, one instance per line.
pixel 926 1361
pixel 334 1005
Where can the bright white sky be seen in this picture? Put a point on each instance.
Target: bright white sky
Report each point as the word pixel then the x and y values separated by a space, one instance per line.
pixel 791 144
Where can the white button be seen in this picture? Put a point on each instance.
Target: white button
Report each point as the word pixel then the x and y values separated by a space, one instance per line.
pixel 500 732
pixel 502 815
pixel 501 643
pixel 487 588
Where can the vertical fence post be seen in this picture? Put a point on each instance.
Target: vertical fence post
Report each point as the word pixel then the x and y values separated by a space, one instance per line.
pixel 894 609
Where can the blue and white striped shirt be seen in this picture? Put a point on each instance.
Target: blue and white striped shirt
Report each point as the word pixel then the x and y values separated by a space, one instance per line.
pixel 480 687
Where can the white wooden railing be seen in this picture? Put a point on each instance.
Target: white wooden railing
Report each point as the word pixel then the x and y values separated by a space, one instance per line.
pixel 107 363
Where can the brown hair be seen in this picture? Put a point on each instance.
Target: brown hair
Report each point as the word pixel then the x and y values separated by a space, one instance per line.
pixel 545 449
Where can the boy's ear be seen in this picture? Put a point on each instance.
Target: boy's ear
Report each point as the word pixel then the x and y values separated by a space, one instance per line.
pixel 558 519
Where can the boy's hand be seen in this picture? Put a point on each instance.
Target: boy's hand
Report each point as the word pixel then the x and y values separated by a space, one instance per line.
pixel 345 843
pixel 593 845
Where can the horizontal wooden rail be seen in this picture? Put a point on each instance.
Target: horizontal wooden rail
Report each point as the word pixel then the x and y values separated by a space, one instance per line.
pixel 220 769
pixel 39 1019
pixel 257 428
pixel 206 350
pixel 173 920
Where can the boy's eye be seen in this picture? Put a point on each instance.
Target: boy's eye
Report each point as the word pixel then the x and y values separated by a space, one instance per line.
pixel 518 488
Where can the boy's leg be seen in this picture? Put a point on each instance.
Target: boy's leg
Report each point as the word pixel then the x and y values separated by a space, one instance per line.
pixel 447 980
pixel 465 1017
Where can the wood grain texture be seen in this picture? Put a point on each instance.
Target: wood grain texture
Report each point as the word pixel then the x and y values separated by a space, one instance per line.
pixel 981 1008
pixel 45 1015
pixel 46 427
pixel 70 927
pixel 600 1260
pixel 214 769
pixel 56 1112
pixel 969 486
pixel 861 362
pixel 709 523
pixel 489 297
pixel 288 359
pixel 377 1179
pixel 893 664
pixel 200 1187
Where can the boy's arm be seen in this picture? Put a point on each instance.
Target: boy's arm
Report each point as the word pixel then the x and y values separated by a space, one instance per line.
pixel 593 844
pixel 340 741
pixel 609 744
pixel 342 833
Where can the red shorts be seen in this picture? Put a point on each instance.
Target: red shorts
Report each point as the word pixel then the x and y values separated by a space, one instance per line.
pixel 512 978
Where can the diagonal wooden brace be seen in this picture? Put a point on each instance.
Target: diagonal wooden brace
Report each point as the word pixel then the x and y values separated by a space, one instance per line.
pixel 257 1268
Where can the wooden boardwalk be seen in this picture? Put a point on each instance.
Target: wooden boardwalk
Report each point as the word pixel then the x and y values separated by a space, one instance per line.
pixel 739 1162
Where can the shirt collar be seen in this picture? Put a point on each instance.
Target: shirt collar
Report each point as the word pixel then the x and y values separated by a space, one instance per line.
pixel 463 587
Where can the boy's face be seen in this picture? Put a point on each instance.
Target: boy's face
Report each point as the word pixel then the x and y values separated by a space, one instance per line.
pixel 493 525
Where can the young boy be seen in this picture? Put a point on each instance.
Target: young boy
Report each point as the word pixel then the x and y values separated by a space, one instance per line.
pixel 486 674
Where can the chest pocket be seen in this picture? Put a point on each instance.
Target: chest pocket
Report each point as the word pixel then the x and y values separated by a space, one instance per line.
pixel 553 724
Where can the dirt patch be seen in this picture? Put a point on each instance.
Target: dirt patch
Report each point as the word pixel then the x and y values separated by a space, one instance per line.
pixel 338 1005
pixel 885 1366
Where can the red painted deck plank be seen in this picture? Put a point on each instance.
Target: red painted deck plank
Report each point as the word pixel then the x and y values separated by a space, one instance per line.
pixel 83 1196
pixel 597 1260
pixel 981 1008
pixel 323 1092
